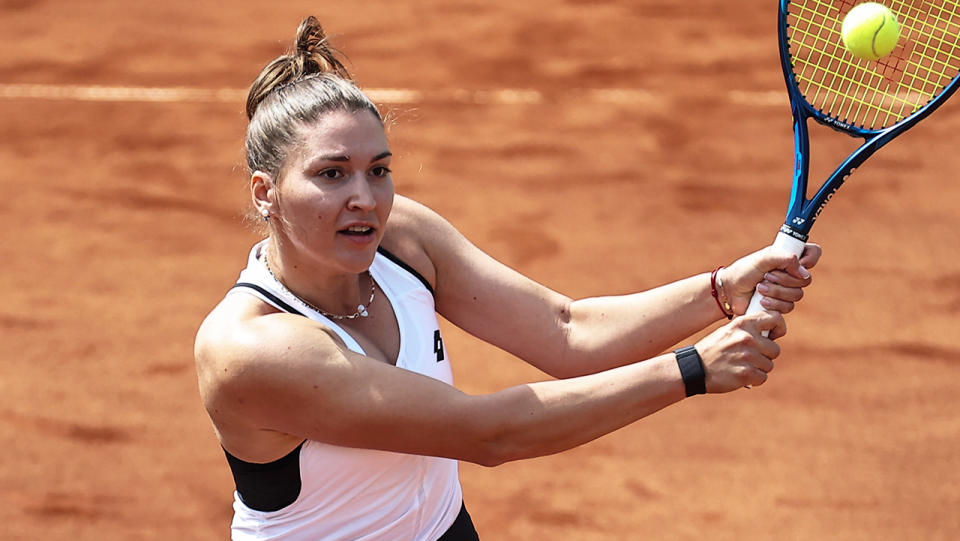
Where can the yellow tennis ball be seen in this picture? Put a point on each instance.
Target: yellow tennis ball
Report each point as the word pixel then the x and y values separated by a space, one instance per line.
pixel 870 31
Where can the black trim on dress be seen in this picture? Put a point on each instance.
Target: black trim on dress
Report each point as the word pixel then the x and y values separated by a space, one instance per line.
pixel 402 264
pixel 273 298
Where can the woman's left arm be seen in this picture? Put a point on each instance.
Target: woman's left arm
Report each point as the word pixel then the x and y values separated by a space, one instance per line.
pixel 567 338
pixel 645 324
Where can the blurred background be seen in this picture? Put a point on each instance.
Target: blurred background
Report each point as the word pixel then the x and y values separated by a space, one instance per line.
pixel 600 147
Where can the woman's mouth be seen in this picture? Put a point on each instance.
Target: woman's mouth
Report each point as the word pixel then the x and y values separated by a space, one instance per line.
pixel 357 230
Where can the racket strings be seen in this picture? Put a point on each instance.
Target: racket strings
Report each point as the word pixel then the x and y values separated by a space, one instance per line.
pixel 874 95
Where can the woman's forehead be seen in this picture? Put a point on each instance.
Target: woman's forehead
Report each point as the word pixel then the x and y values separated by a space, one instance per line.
pixel 340 133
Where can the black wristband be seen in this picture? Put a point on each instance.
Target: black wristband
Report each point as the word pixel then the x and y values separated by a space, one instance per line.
pixel 691 369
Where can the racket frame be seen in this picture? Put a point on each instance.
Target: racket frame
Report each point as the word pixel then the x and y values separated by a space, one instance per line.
pixel 803 212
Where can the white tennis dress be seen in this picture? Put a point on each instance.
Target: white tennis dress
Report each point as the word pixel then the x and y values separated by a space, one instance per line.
pixel 358 494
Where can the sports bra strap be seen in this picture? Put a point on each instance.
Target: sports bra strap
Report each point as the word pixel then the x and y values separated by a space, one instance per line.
pixel 273 298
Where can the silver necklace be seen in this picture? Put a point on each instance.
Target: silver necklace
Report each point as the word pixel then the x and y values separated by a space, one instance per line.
pixel 361 309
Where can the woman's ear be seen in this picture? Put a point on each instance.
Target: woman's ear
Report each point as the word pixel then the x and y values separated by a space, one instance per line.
pixel 263 192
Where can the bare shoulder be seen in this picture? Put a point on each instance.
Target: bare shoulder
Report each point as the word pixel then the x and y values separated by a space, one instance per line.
pixel 409 215
pixel 412 230
pixel 245 346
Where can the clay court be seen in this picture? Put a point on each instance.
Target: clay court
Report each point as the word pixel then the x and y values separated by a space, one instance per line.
pixel 600 147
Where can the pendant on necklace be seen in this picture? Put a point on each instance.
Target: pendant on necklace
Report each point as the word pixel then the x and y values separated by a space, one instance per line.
pixel 362 311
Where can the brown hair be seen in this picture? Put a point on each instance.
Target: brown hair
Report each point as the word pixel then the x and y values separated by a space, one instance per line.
pixel 293 90
pixel 311 55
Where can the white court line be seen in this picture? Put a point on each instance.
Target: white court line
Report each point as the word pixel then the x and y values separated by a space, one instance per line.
pixel 617 96
pixel 772 97
pixel 122 93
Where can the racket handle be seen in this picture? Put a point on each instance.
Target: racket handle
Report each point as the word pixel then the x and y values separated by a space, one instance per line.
pixel 783 243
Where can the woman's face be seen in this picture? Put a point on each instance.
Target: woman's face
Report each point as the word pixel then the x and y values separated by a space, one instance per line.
pixel 335 192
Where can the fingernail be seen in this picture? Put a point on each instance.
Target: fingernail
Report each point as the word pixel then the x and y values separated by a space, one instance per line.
pixel 804 272
pixel 765 302
pixel 763 288
pixel 770 278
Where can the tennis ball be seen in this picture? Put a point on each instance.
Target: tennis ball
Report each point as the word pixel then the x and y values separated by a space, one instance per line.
pixel 870 31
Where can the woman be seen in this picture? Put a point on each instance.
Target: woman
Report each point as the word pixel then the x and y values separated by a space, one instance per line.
pixel 324 370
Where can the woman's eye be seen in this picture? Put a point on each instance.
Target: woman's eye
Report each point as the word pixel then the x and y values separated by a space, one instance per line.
pixel 331 174
pixel 380 171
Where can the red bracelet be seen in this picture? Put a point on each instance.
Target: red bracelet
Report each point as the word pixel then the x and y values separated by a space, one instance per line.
pixel 724 305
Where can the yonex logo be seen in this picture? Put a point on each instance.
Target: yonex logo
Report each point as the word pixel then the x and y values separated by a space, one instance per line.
pixel 836 123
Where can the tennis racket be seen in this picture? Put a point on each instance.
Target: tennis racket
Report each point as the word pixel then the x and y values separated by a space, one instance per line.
pixel 875 101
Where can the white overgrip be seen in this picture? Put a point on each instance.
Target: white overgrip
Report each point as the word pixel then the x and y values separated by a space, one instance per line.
pixel 783 243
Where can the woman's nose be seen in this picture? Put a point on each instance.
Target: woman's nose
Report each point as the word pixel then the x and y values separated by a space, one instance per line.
pixel 362 197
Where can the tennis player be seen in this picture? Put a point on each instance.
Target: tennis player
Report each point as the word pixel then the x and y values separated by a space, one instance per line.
pixel 324 370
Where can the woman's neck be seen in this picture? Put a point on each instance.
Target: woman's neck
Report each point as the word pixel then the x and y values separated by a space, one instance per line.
pixel 332 292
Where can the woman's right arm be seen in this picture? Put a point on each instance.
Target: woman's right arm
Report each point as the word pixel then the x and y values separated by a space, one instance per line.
pixel 286 374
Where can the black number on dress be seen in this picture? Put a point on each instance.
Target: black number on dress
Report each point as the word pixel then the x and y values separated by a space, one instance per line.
pixel 438 345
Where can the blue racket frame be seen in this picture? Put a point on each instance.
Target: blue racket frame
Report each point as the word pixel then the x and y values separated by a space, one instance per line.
pixel 803 212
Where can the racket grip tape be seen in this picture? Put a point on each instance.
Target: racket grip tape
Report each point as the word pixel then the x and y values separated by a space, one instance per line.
pixel 783 243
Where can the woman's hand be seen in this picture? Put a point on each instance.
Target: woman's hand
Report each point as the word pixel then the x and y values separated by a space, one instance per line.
pixel 779 276
pixel 738 355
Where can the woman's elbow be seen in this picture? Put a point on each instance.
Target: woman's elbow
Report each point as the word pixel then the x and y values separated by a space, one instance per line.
pixel 565 371
pixel 494 441
pixel 492 454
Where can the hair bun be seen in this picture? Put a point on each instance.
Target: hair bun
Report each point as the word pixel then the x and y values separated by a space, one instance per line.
pixel 312 56
pixel 309 35
pixel 316 54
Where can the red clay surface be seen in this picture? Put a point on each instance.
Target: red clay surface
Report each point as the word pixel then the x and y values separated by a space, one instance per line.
pixel 121 231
